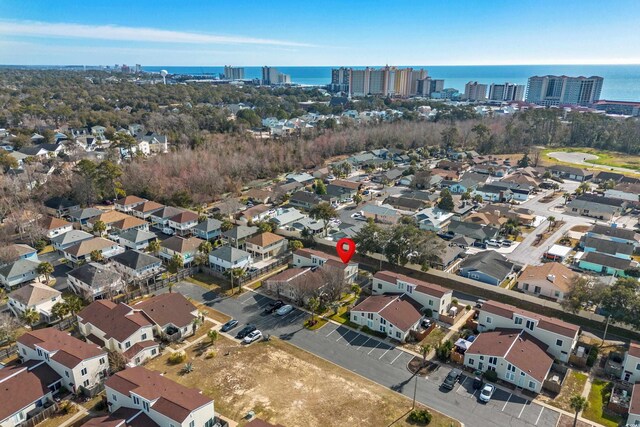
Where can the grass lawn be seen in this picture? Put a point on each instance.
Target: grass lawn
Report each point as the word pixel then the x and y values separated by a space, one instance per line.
pixel 205 281
pixel 212 313
pixel 289 386
pixel 573 384
pixel 434 337
pixel 320 322
pixel 599 394
pixel 605 158
pixel 46 250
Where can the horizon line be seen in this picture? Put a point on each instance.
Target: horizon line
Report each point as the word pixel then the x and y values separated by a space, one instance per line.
pixel 332 66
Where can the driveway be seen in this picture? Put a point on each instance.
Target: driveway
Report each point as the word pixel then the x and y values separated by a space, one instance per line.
pixel 378 361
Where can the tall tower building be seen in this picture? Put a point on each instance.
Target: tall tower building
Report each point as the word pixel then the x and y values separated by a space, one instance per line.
pixel 474 91
pixel 563 90
pixel 340 78
pixel 506 92
pixel 233 73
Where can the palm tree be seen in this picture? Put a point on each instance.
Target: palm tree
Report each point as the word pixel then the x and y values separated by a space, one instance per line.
pixel 73 303
pixel 213 336
pixel 552 222
pixel 60 310
pixel 578 404
pixel 566 197
pixel 424 350
pixel 96 256
pixel 154 246
pixel 583 188
pixel 205 247
pixel 323 211
pixel 99 228
pixel 235 273
pixel 31 317
pixel 314 305
pixel 45 268
pixel 175 263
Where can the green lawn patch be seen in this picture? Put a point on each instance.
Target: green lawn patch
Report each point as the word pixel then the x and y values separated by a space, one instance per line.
pixel 47 249
pixel 320 322
pixel 598 398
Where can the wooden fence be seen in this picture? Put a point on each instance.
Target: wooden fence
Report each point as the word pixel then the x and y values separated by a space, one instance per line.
pixel 8 352
pixel 40 416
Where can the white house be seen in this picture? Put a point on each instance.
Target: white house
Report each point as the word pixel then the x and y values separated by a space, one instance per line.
pixel 153 398
pixel 137 265
pixel 228 257
pixel 186 248
pixel 428 295
pixel 183 222
pixel 95 281
pixel 56 226
pixel 81 251
pixel 313 258
pixel 394 315
pixel 80 364
pixel 266 245
pixel 36 296
pixel 19 272
pixel 631 364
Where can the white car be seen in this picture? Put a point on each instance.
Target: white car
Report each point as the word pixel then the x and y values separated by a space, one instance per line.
pixel 284 310
pixel 168 231
pixel 487 392
pixel 494 243
pixel 253 336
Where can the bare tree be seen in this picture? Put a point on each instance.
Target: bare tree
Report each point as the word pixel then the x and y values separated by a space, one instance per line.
pixel 9 327
pixel 333 281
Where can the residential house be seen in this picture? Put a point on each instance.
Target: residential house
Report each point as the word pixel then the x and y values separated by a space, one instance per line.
pixel 446 257
pixel 160 218
pixel 259 196
pixel 560 337
pixel 302 178
pixel 488 267
pixel 183 222
pixel 95 281
pixel 605 176
pixel 172 314
pixel 428 295
pixel 237 236
pixel 631 364
pixel 595 206
pixel 19 272
pixel 606 246
pixel 287 216
pixel 128 203
pixel 187 248
pixel 625 191
pixel 82 366
pixel 109 218
pixel 60 206
pixel 468 183
pixel 550 280
pixel 311 225
pixel 34 296
pixel 22 251
pixel 518 192
pixel 634 407
pixel 571 173
pixel 307 200
pixel 604 264
pixel 256 214
pixel 81 251
pixel 519 215
pixel 135 238
pixel 266 245
pixel 295 284
pixel 342 190
pixel 127 224
pixel 145 209
pixel 393 315
pixel 56 226
pixel 137 264
pixel 388 177
pixel 405 203
pixel 514 355
pixel 25 390
pixel 119 328
pixel 66 240
pixel 209 229
pixel 151 399
pixel 384 214
pixel 229 257
pixel 314 258
pixel 83 215
pixel 433 219
pixel 617 234
pixel 494 193
pixel 477 232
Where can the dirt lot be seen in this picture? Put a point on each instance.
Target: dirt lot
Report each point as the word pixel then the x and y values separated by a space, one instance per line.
pixel 573 384
pixel 284 384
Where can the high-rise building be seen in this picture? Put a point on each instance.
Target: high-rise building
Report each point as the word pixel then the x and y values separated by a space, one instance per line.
pixel 138 68
pixel 474 91
pixel 563 90
pixel 506 92
pixel 427 86
pixel 359 82
pixel 340 78
pixel 271 76
pixel 386 81
pixel 233 73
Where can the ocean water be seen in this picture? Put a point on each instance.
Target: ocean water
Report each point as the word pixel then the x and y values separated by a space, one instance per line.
pixel 621 82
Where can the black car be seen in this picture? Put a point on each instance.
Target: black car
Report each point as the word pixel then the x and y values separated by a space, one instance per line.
pixel 451 379
pixel 477 382
pixel 245 331
pixel 229 325
pixel 273 306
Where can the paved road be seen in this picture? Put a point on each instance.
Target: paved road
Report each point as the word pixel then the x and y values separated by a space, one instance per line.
pixel 379 361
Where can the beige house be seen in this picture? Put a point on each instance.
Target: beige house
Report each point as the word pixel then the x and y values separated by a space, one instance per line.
pixel 81 251
pixel 428 295
pixel 560 337
pixel 36 296
pixel 550 280
pixel 265 246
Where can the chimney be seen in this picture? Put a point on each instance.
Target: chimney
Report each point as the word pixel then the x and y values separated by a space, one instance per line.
pixel 497 213
pixel 551 277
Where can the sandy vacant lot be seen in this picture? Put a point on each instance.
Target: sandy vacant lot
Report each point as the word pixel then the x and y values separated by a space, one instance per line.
pixel 284 384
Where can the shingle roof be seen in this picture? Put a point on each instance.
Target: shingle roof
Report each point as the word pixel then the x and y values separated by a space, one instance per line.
pixel 229 253
pixel 616 232
pixel 210 224
pixel 166 212
pixel 399 310
pixel 240 232
pixel 136 236
pixel 634 349
pixel 69 351
pixel 634 404
pixel 171 399
pixel 548 323
pixel 85 213
pixel 421 286
pixel 85 247
pixel 20 387
pixel 118 321
pixel 170 308
pixel 128 223
pixel 181 245
pixel 185 216
pixel 70 237
pixel 34 294
pixel 563 274
pixel 130 200
pixel 110 217
pixel 95 275
pixel 148 206
pixel 607 246
pixel 135 259
pixel 491 263
pixel 606 260
pixel 265 239
pixel 51 223
pixel 19 267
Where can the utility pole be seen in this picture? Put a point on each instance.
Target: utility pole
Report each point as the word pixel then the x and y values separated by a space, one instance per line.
pixel 606 326
pixel 415 391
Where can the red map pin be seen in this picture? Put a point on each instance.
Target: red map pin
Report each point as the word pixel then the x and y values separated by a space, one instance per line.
pixel 346 248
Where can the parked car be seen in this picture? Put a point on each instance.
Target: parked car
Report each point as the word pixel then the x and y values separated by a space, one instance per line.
pixel 426 323
pixel 506 243
pixel 273 306
pixel 493 243
pixel 229 325
pixel 284 310
pixel 487 392
pixel 245 331
pixel 253 336
pixel 331 177
pixel 451 379
pixel 366 192
pixel 477 381
pixel 168 231
pixel 479 303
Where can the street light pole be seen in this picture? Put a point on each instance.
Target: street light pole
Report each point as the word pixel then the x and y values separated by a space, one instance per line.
pixel 415 391
pixel 606 326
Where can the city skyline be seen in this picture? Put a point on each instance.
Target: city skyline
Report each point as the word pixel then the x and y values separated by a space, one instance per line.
pixel 285 34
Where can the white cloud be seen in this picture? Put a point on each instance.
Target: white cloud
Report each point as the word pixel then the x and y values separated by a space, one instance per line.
pixel 139 34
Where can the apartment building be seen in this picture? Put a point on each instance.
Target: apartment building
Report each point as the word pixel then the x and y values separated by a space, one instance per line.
pixel 563 90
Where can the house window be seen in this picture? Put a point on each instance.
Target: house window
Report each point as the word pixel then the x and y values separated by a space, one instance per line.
pixel 370 316
pixel 136 400
pixel 39 352
pixel 638 367
pixel 473 276
pixel 127 344
pixel 144 336
pixel 557 294
pixel 66 373
pixel 401 286
pixel 518 320
pixel 471 362
pixel 24 351
pixel 525 286
pixel 114 398
pixel 379 285
pixel 530 324
pixel 431 303
pixel 46 356
pixel 153 351
pixel 398 335
pixel 145 405
pixel 532 385
pixel 489 320
pixel 493 360
pixel 102 360
pixel 86 383
pixel 559 343
pixel 192 424
pixel 410 289
pixel 383 321
pixel 536 290
pixel 84 371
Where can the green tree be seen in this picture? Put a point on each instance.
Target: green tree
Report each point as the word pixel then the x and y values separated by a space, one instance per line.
pixel 323 211
pixel 370 239
pixel 449 137
pixel 466 195
pixel 213 336
pixel 96 256
pixel 205 247
pixel 621 301
pixel 154 246
pixel 175 263
pixel 321 189
pixel 31 317
pixel 407 243
pixel 552 221
pixel 295 245
pixel 578 404
pixel 125 143
pixel 235 273
pixel 226 225
pixel 73 303
pixel 478 198
pixel 446 201
pixel 265 226
pixel 314 305
pixel 99 227
pixel 357 198
pixel 584 187
pixel 424 351
pixel 60 310
pixel 524 161
pixel 46 269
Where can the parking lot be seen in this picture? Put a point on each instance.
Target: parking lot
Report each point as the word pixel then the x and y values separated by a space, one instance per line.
pixel 379 361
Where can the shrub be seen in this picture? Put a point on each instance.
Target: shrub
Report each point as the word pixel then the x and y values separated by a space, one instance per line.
pixel 593 355
pixel 428 312
pixel 443 350
pixel 490 376
pixel 210 354
pixel 187 368
pixel 420 416
pixel 177 357
pixel 67 407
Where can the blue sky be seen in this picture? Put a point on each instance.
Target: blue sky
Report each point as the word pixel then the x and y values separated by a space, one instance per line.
pixel 334 32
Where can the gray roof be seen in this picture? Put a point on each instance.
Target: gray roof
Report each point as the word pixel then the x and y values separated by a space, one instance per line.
pixel 229 254
pixel 34 294
pixel 19 267
pixel 166 212
pixel 616 232
pixel 492 189
pixel 475 231
pixel 607 246
pixel 136 236
pixel 95 275
pixel 85 213
pixel 210 224
pixel 240 232
pixel 135 259
pixel 378 210
pixel 606 260
pixel 71 237
pixel 490 263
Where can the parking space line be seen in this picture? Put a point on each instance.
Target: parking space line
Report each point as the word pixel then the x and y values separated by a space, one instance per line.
pixel 505 403
pixel 246 299
pixel 399 354
pixel 331 332
pixel 539 415
pixel 385 353
pixel 368 339
pixel 379 342
pixel 461 384
pixel 296 317
pixel 524 405
pixel 341 337
pixel 473 395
